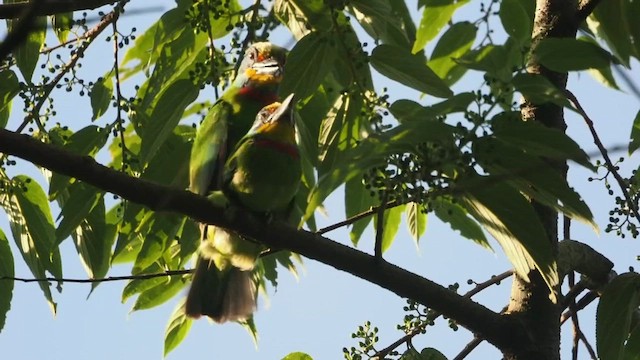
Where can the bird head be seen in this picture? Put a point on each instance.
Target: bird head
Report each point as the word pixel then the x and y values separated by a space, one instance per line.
pixel 276 121
pixel 262 64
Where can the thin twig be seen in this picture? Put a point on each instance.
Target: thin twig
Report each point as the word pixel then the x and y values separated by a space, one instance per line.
pixel 98 280
pixel 362 215
pixel 116 69
pixel 377 250
pixel 77 55
pixel 573 293
pixel 472 345
pixel 587 345
pixel 574 319
pixel 587 299
pixel 433 316
pixel 610 166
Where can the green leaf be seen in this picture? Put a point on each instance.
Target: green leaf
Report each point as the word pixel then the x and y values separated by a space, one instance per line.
pixel 27 54
pixel 308 63
pixel 82 199
pixel 390 225
pixel 9 88
pixel 400 65
pixel 138 286
pixel 407 110
pixel 381 21
pixel 6 272
pixel 618 301
pixel 507 215
pixel 515 20
pixel 612 21
pixel 492 59
pixel 62 24
pixel 166 115
pixel 86 141
pixel 538 89
pixel 34 207
pixel 632 347
pixel 340 130
pixel 538 139
pixel 532 176
pixel 158 295
pixel 357 198
pixel 454 43
pixel 94 239
pixel 425 354
pixel 436 14
pixel 177 328
pixel 297 356
pixel 634 142
pixel 302 16
pixel 146 47
pixel 100 96
pixel 416 221
pixel 26 245
pixel 565 54
pixel 457 217
pixel 163 231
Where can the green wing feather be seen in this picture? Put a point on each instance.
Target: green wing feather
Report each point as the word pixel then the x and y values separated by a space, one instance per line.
pixel 207 158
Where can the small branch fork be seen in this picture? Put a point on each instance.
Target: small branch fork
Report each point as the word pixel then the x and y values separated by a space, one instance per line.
pixel 409 336
pixel 610 166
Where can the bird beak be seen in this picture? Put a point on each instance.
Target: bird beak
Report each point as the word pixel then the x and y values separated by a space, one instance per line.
pixel 267 67
pixel 286 107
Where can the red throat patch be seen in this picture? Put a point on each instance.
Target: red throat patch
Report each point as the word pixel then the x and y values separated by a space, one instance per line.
pixel 258 95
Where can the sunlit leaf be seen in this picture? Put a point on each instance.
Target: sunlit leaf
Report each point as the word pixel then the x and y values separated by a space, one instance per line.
pixel 357 198
pixel 82 198
pixel 400 65
pixel 454 43
pixel 416 221
pixel 507 215
pixel 9 88
pixel 165 117
pixel 100 96
pixel 297 356
pixel 308 64
pixel 27 54
pixel 62 24
pixel 158 295
pixel 634 143
pixel 436 14
pixel 6 272
pixel 26 245
pixel 177 328
pixel 390 225
pixel 458 218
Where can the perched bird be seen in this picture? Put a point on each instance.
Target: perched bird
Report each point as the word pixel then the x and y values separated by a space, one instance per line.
pixel 225 291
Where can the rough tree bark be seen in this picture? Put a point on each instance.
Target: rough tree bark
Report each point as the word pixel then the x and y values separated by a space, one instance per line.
pixel 530 301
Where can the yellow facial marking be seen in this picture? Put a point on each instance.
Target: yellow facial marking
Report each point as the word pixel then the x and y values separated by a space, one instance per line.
pixel 262 78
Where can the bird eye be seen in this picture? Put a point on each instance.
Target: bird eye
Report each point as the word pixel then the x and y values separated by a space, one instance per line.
pixel 264 116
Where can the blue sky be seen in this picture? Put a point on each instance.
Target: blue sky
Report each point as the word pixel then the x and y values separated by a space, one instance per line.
pixel 317 312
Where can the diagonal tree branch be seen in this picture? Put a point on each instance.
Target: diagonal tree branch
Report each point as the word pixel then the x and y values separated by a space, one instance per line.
pixel 501 330
pixel 51 7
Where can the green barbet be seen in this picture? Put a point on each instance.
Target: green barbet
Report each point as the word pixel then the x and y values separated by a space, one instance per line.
pixel 222 287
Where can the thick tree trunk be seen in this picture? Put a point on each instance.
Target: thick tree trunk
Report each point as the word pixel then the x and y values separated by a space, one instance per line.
pixel 530 301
